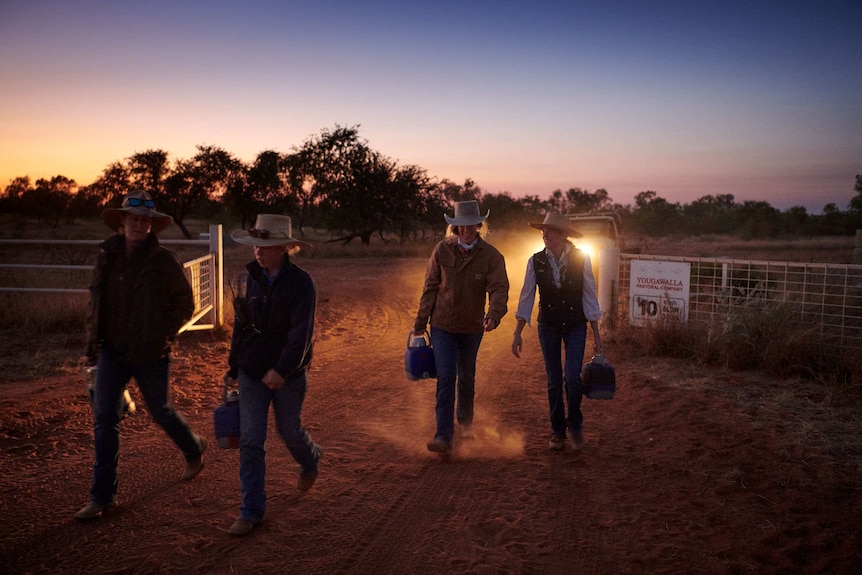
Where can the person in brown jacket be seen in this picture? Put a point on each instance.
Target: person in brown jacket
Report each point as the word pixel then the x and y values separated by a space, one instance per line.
pixel 139 299
pixel 464 273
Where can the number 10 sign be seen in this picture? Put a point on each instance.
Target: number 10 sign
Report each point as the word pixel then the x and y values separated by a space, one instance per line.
pixel 658 292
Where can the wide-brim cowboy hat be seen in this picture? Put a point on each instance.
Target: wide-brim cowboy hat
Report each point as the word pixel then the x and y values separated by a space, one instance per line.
pixel 139 203
pixel 269 230
pixel 560 223
pixel 466 214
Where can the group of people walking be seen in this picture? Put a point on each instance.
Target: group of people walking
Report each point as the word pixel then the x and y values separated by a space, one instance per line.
pixel 140 299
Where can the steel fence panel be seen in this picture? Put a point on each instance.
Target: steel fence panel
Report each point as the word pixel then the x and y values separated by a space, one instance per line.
pixel 827 297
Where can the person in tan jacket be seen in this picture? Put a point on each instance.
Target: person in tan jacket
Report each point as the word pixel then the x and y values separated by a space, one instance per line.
pixel 464 273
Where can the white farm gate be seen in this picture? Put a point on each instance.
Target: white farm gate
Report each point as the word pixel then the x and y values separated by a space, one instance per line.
pixel 205 274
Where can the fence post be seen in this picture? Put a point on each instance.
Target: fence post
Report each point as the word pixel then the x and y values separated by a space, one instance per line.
pixel 217 250
pixel 857 248
pixel 608 279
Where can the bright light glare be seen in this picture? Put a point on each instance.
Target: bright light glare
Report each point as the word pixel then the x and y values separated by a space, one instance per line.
pixel 539 246
pixel 587 248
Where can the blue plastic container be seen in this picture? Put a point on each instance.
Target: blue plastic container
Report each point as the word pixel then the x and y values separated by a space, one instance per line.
pixel 599 378
pixel 419 357
pixel 227 430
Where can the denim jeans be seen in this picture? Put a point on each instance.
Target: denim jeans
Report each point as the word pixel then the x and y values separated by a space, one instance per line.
pixel 553 340
pixel 455 360
pixel 254 401
pixel 112 376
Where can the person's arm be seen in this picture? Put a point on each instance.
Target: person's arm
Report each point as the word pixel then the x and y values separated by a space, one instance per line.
pixel 589 296
pixel 498 292
pixel 597 337
pixel 592 311
pixel 92 351
pixel 517 342
pixel 297 349
pixel 429 292
pixel 525 307
pixel 241 323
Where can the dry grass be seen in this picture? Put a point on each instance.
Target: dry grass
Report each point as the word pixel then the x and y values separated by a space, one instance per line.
pixel 770 340
pixel 827 250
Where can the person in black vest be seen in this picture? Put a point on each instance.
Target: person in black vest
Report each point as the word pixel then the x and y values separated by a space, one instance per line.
pixel 564 277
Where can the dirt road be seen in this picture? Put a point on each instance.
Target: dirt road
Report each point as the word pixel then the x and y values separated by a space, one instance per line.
pixel 688 470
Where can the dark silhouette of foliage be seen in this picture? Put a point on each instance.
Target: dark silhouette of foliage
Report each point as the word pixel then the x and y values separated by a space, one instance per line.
pixel 207 176
pixel 655 215
pixel 48 200
pixel 11 202
pixel 710 214
pixel 112 185
pixel 148 171
pixel 337 181
pixel 578 201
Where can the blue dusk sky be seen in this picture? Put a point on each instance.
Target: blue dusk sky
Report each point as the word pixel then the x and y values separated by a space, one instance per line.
pixel 759 99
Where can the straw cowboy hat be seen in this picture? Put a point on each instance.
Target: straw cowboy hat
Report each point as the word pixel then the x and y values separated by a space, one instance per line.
pixel 139 203
pixel 269 230
pixel 466 214
pixel 560 223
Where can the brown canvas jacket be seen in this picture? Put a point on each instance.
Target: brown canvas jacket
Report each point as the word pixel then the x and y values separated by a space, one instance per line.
pixel 455 290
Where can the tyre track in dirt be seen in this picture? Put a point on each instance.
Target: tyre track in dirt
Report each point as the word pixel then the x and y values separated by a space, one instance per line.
pixel 394 420
pixel 402 416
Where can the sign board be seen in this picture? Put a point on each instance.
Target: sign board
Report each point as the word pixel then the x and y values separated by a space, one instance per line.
pixel 658 291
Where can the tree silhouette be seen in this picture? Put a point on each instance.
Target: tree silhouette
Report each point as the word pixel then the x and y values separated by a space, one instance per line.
pixel 111 186
pixel 208 175
pixel 13 196
pixel 265 188
pixel 335 179
pixel 148 171
pixel 655 215
pixel 576 200
pixel 710 214
pixel 48 200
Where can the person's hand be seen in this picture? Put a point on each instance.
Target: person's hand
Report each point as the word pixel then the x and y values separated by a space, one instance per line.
pixel 489 324
pixel 517 345
pixel 273 380
pixel 598 347
pixel 228 380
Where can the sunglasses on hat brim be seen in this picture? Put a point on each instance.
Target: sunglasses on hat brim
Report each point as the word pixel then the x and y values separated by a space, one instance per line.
pixel 138 202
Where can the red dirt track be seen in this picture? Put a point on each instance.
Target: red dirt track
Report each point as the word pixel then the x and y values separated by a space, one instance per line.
pixel 688 470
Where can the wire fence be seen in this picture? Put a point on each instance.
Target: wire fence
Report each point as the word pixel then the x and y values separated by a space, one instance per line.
pixel 827 297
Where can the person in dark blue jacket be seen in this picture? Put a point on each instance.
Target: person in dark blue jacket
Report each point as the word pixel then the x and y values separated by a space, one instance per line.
pixel 271 348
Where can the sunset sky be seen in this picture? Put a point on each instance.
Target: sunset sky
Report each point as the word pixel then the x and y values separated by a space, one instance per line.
pixel 759 99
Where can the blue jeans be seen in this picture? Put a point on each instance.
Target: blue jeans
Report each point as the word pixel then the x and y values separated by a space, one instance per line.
pixel 254 401
pixel 553 340
pixel 455 360
pixel 112 376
